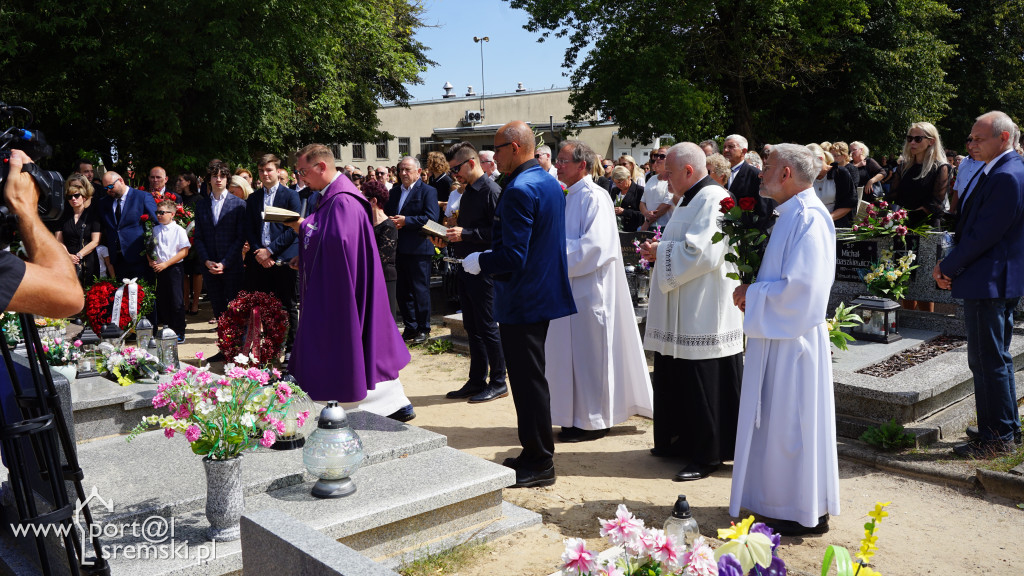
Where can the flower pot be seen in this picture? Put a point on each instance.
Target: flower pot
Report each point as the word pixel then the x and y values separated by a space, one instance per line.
pixel 68 371
pixel 225 500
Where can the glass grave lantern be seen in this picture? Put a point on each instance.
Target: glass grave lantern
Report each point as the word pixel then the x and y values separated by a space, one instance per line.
pixel 167 348
pixel 333 452
pixel 143 333
pixel 881 320
pixel 295 434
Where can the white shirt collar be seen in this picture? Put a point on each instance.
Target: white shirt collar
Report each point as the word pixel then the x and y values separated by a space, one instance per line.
pixel 991 163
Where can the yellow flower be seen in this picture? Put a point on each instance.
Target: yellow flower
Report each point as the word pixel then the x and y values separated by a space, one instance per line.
pixel 878 513
pixel 864 554
pixel 736 530
pixel 869 540
pixel 865 571
pixel 749 549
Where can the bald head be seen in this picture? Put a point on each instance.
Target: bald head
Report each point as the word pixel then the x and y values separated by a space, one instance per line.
pixel 514 145
pixel 685 165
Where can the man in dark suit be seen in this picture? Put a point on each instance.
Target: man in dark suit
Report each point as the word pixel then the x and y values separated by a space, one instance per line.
pixel 121 212
pixel 531 288
pixel 745 180
pixel 986 269
pixel 272 245
pixel 219 237
pixel 410 207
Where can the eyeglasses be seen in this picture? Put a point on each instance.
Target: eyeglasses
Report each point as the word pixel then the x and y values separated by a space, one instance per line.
pixel 917 139
pixel 382 173
pixel 111 185
pixel 162 212
pixel 304 171
pixel 76 196
pixel 455 169
pixel 566 161
pixel 659 156
pixel 500 146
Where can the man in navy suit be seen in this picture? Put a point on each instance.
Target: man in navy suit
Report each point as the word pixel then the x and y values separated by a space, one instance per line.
pixel 121 213
pixel 219 237
pixel 272 245
pixel 745 180
pixel 986 269
pixel 528 262
pixel 414 203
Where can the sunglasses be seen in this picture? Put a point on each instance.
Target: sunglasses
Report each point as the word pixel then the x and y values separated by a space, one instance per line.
pixel 162 212
pixel 455 169
pixel 659 156
pixel 500 146
pixel 608 165
pixel 917 139
pixel 75 196
pixel 111 185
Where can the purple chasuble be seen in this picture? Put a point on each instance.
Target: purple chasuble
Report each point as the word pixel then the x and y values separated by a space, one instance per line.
pixel 347 340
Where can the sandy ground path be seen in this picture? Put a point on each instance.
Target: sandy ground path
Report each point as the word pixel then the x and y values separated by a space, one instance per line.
pixel 931 529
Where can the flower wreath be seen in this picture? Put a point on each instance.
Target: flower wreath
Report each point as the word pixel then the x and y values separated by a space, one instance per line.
pixel 255 324
pixel 99 303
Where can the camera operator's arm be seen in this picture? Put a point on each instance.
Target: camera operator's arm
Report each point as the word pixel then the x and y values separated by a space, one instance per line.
pixel 49 287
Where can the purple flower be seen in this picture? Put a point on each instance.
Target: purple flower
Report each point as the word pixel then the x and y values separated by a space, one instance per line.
pixel 764 529
pixel 728 565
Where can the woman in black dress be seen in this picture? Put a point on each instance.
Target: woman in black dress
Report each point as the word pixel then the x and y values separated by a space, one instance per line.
pixel 187 189
pixel 386 233
pixel 922 181
pixel 437 172
pixel 79 230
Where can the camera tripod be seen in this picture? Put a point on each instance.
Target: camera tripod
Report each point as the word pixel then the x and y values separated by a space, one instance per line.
pixel 32 448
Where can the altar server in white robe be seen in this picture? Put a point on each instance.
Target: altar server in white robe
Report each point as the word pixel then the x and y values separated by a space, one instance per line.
pixel 786 466
pixel 693 328
pixel 596 367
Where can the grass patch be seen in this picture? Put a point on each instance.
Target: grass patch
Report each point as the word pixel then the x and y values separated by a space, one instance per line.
pixel 446 562
pixel 439 346
pixel 1004 463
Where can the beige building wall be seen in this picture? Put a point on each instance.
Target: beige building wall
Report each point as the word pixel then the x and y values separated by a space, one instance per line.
pixel 436 124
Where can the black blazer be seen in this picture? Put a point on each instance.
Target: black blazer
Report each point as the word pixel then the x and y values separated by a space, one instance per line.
pixel 632 218
pixel 746 185
pixel 420 206
pixel 284 243
pixel 221 242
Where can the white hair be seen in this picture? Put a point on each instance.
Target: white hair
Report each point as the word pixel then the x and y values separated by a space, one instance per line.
pixel 487 155
pixel 689 154
pixel 1001 122
pixel 739 140
pixel 805 165
pixel 545 149
pixel 862 147
pixel 415 161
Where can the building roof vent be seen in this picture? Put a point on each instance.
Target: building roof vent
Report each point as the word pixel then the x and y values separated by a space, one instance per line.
pixel 448 90
pixel 469 91
pixel 520 88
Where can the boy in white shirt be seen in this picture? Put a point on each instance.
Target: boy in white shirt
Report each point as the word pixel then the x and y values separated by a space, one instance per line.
pixel 172 246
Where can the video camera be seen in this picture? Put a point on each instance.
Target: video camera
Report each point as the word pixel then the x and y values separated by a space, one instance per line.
pixel 50 183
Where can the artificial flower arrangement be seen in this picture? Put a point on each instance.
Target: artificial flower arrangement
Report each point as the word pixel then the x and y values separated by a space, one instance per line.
pixel 11 328
pixel 255 324
pixel 746 241
pixel 844 317
pixel 845 566
pixel 130 364
pixel 750 550
pixel 60 352
pixel 222 416
pixel 136 298
pixel 643 261
pixel 883 219
pixel 890 276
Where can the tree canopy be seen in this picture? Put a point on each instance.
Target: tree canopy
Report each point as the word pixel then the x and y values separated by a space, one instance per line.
pixel 799 70
pixel 180 82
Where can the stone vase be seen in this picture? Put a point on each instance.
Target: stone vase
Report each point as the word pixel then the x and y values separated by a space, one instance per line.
pixel 68 371
pixel 225 499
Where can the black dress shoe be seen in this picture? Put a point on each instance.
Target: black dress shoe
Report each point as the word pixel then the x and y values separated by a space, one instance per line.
pixel 490 393
pixel 575 434
pixel 510 462
pixel 979 450
pixel 408 335
pixel 534 478
pixel 468 390
pixel 791 528
pixel 695 472
pixel 403 414
pixel 974 434
pixel 420 338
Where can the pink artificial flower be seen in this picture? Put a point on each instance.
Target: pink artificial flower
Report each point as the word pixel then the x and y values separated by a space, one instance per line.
pixel 611 570
pixel 871 212
pixel 576 558
pixel 45 348
pixel 169 432
pixel 183 413
pixel 901 230
pixel 883 204
pixel 235 372
pixel 268 439
pixel 57 340
pixel 192 433
pixel 284 392
pixel 302 417
pixel 277 424
pixel 199 356
pixel 621 529
pixel 276 373
pixel 665 549
pixel 644 545
pixel 856 227
pixel 77 343
pixel 701 561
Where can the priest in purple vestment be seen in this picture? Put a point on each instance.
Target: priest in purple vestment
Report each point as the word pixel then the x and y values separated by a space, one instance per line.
pixel 346 341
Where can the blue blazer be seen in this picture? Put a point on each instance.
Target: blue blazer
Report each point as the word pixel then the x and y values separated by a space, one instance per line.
pixel 988 260
pixel 527 255
pixel 127 237
pixel 221 242
pixel 420 206
pixel 284 243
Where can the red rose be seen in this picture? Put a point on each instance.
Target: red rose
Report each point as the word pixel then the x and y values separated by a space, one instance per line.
pixel 747 204
pixel 727 204
pixel 171 196
pixel 144 218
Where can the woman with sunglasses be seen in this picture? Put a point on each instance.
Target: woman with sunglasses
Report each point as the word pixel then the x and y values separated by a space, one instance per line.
pixel 636 174
pixel 921 183
pixel 79 230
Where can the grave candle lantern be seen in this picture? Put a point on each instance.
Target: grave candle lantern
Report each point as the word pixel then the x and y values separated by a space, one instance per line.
pixel 333 452
pixel 881 320
pixel 143 333
pixel 294 433
pixel 168 348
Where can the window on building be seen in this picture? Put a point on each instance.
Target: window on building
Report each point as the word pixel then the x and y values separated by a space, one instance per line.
pixel 404 147
pixel 337 151
pixel 382 149
pixel 358 152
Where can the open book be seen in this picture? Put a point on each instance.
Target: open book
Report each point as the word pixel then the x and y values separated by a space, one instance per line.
pixel 432 228
pixel 274 214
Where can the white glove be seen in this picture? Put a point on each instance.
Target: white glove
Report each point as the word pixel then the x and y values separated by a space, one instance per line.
pixel 471 263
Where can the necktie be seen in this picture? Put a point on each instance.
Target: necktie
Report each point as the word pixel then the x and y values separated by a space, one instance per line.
pixel 117 211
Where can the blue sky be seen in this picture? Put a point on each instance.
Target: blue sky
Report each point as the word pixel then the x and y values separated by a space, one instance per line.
pixel 512 55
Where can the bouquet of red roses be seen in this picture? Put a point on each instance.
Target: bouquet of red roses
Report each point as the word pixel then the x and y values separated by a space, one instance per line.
pixel 746 240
